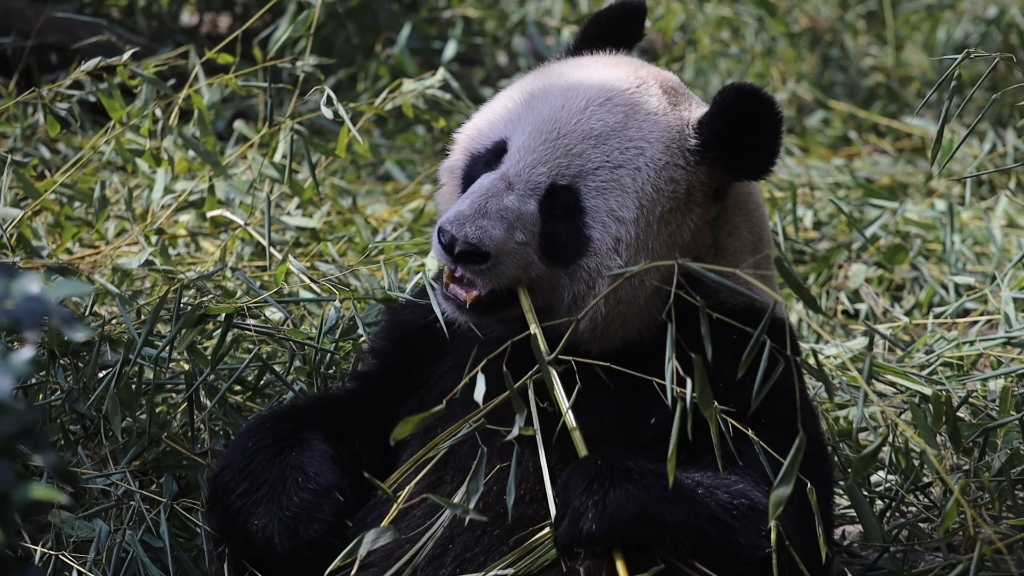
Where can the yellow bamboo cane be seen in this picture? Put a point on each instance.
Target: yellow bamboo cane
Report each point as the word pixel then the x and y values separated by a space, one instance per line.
pixel 556 389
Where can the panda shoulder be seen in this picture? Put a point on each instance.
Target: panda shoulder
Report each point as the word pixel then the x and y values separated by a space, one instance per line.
pixel 736 314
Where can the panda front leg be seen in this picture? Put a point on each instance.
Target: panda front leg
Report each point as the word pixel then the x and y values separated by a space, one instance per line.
pixel 279 497
pixel 718 520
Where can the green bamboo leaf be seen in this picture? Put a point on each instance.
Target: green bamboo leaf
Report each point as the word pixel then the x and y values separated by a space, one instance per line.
pixel 763 385
pixel 784 482
pixel 990 426
pixel 673 443
pixel 460 510
pixel 297 266
pixel 513 471
pixel 702 389
pixel 953 425
pixel 950 513
pixel 1006 168
pixel 941 130
pixel 705 327
pixel 52 125
pixel 475 487
pixel 451 47
pixel 157 84
pixel 791 279
pixel 517 404
pixel 823 540
pixel 35 491
pixel 756 341
pixel 866 514
pixel 412 424
pixel 434 304
pixel 112 103
pixel 364 544
pixel 955 67
pixel 280 273
pixel 203 153
pixel 717 280
pixel 670 362
pixel 970 130
pixel 381 487
pixel 866 461
pixel 329 114
pixel 25 181
pixel 924 428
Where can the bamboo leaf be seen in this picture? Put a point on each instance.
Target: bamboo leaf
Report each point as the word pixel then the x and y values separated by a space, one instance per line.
pixel 476 478
pixel 460 510
pixel 866 514
pixel 705 327
pixel 793 281
pixel 756 341
pixel 718 280
pixel 412 424
pixel 940 131
pixel 381 487
pixel 364 544
pixel 823 537
pixel 510 490
pixel 673 443
pixel 954 67
pixel 784 482
pixel 670 362
pixel 764 385
pixel 517 404
pixel 38 492
pixel 702 388
pixel 970 130
pixel 866 461
pixel 480 389
pixel 950 513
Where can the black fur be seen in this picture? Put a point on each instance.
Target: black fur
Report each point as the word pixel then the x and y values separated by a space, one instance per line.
pixel 289 492
pixel 563 231
pixel 618 27
pixel 741 133
pixel 482 162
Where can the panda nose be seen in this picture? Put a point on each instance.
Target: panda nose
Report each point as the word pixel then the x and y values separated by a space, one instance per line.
pixel 461 252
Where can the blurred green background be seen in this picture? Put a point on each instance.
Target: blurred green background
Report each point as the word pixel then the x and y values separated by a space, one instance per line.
pixel 241 241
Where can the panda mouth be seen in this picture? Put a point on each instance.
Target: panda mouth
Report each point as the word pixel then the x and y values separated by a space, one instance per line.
pixel 474 296
pixel 461 287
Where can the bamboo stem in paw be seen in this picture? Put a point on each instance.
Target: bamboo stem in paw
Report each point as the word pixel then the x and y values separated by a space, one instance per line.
pixel 540 349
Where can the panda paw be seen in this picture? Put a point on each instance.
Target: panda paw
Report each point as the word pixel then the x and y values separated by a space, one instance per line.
pixel 599 506
pixel 279 497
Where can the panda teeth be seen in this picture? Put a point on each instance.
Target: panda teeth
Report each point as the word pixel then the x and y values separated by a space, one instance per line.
pixel 461 287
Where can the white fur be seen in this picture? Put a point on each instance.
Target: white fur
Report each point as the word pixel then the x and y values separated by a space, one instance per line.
pixel 620 130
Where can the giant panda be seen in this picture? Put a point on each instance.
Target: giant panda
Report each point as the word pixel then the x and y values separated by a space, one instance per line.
pixel 567 181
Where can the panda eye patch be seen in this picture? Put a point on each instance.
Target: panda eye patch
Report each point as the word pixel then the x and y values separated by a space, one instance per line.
pixel 563 229
pixel 482 162
pixel 561 202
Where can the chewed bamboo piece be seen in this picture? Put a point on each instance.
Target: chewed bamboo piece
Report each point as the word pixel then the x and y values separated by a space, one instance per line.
pixel 555 386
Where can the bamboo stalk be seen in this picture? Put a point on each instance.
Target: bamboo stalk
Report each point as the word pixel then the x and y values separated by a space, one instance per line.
pixel 558 392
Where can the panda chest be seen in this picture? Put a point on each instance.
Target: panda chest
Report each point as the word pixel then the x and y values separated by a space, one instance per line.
pixel 614 413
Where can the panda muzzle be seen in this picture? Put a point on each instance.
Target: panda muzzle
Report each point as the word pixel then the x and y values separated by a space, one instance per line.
pixel 461 287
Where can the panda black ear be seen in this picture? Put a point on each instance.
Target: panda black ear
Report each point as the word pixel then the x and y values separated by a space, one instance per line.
pixel 618 27
pixel 740 135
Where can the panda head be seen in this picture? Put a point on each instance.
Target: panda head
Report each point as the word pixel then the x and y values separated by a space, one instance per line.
pixel 594 162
